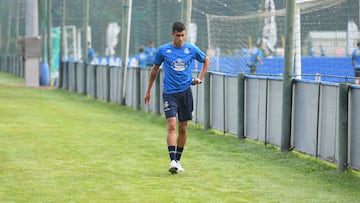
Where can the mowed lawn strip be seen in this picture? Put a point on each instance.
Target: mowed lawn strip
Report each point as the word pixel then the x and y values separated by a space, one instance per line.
pixel 58 146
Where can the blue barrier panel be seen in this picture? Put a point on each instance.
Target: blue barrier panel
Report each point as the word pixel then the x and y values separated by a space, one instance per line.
pixel 331 69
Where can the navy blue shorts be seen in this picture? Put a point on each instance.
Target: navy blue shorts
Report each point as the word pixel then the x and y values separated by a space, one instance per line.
pixel 180 104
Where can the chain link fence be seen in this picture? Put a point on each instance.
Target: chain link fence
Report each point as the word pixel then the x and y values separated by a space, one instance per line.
pixel 226 29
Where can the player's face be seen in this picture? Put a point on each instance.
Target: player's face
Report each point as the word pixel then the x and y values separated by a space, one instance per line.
pixel 178 38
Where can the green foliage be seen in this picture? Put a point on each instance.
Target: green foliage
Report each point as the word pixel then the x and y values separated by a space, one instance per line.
pixel 57 146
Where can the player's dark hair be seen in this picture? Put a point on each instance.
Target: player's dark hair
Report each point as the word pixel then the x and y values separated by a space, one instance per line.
pixel 178 27
pixel 358 44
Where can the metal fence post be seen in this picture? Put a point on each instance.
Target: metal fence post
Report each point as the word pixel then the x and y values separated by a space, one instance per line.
pixel 137 89
pixel 76 65
pixel 84 70
pixel 343 126
pixel 207 101
pixel 241 103
pixel 108 83
pixel 287 81
pixel 95 81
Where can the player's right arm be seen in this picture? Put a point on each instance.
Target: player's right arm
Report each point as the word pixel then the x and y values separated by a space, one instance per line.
pixel 353 58
pixel 153 73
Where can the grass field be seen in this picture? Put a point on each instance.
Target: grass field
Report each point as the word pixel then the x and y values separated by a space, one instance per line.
pixel 57 146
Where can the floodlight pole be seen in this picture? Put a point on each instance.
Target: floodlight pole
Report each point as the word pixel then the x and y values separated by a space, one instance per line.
pixel 85 34
pixel 61 55
pixel 31 20
pixel 125 41
pixel 157 42
pixel 49 44
pixel 298 42
pixel 288 74
pixel 187 14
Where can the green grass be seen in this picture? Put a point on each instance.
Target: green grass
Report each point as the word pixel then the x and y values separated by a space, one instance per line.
pixel 57 146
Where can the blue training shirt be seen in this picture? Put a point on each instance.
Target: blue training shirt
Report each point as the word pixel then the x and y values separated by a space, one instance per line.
pixel 177 65
pixel 255 52
pixel 150 52
pixel 141 58
pixel 356 57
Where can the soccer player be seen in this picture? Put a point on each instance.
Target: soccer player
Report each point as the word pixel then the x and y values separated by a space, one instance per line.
pixel 91 53
pixel 176 58
pixel 141 57
pixel 355 60
pixel 255 57
pixel 150 52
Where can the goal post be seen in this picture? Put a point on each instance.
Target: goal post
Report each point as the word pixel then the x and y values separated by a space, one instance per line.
pixel 320 25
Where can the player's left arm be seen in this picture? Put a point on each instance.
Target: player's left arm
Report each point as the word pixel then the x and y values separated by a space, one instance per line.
pixel 204 70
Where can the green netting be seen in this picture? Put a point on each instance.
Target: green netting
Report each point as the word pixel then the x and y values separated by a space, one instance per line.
pixel 224 24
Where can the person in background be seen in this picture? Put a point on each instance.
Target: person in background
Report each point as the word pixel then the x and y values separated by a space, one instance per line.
pixel 322 51
pixel 355 61
pixel 91 53
pixel 244 50
pixel 150 52
pixel 176 58
pixel 141 57
pixel 311 51
pixel 255 57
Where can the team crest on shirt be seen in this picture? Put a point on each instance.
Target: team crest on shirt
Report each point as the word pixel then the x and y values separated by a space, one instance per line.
pixel 179 65
pixel 186 51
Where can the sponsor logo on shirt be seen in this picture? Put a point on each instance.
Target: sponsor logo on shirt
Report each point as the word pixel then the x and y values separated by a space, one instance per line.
pixel 179 65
